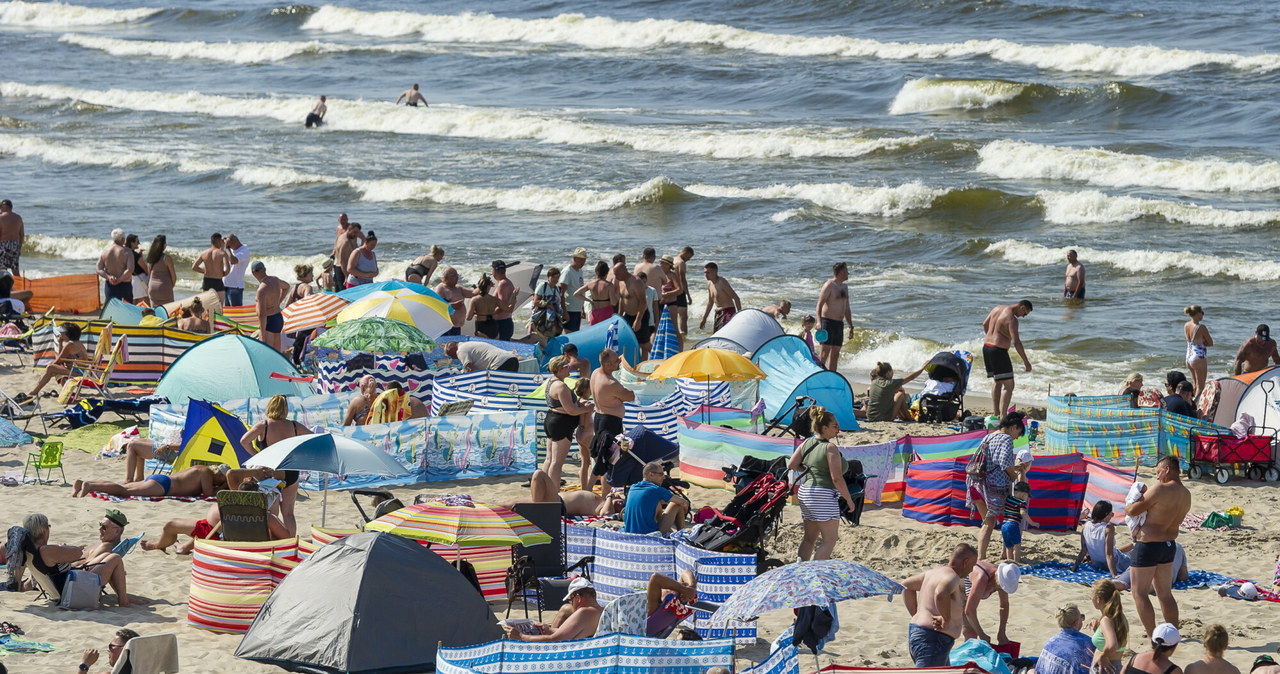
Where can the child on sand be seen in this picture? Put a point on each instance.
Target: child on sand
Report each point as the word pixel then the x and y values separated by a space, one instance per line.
pixel 1017 517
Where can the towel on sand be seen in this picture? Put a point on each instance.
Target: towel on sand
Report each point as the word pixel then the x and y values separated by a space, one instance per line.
pixel 117 499
pixel 1087 575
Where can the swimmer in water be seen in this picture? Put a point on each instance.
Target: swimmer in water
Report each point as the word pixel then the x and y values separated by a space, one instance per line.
pixel 412 97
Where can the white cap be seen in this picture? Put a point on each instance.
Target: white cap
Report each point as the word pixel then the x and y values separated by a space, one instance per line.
pixel 1008 575
pixel 578 584
pixel 1249 591
pixel 1024 456
pixel 1165 634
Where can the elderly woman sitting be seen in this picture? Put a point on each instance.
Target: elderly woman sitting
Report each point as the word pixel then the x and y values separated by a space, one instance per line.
pixel 58 561
pixel 1070 651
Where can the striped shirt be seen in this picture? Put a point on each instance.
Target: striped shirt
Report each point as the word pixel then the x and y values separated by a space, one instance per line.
pixel 1013 508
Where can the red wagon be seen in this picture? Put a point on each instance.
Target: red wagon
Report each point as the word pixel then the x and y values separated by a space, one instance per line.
pixel 1222 453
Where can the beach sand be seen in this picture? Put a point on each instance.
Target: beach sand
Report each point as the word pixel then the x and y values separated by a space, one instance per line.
pixel 873 630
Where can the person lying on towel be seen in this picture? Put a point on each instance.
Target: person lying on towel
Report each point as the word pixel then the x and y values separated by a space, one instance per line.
pixel 577 503
pixel 208 528
pixel 578 619
pixel 201 481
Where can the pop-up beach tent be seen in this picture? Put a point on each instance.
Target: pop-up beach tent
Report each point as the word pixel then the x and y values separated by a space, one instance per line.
pixel 211 435
pixel 792 372
pixel 1253 393
pixel 746 332
pixel 591 341
pixel 227 367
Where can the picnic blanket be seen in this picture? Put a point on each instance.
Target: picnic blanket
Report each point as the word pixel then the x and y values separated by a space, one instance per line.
pixel 1087 576
pixel 118 499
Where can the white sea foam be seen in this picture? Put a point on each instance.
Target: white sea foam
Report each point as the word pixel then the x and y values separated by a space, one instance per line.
pixel 228 52
pixel 493 124
pixel 931 95
pixel 1090 206
pixel 606 33
pixel 883 201
pixel 59 15
pixel 1142 261
pixel 1020 160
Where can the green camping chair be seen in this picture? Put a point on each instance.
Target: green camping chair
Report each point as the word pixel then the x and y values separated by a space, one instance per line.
pixel 48 458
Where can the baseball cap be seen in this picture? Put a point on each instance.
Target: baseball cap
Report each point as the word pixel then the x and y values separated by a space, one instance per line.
pixel 257 266
pixel 119 518
pixel 577 585
pixel 1008 575
pixel 498 265
pixel 1024 456
pixel 1262 661
pixel 579 252
pixel 1245 591
pixel 1165 634
pixel 1263 332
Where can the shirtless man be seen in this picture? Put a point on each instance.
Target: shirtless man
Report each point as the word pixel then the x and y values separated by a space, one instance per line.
pixel 780 310
pixel 271 292
pixel 1256 351
pixel 12 234
pixel 358 408
pixel 423 267
pixel 412 97
pixel 985 580
pixel 505 291
pixel 1165 503
pixel 584 617
pixel 110 531
pixel 214 263
pixel 316 117
pixel 347 241
pixel 457 297
pixel 719 295
pixel 574 503
pixel 1001 326
pixel 1074 285
pixel 680 308
pixel 833 312
pixel 115 266
pixel 935 600
pixel 654 275
pixel 632 302
pixel 194 481
pixel 610 397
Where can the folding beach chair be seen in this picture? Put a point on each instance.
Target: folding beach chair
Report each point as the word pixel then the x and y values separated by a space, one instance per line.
pixel 148 655
pixel 244 516
pixel 10 409
pixel 96 378
pixel 126 545
pixel 48 458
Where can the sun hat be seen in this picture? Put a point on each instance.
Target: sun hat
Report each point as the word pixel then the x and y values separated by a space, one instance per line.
pixel 1165 634
pixel 1008 575
pixel 579 252
pixel 1024 456
pixel 669 260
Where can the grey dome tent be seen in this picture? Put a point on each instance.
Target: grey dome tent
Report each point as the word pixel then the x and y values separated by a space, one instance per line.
pixel 746 332
pixel 368 603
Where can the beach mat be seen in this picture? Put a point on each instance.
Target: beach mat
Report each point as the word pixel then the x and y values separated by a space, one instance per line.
pixel 118 499
pixel 1087 576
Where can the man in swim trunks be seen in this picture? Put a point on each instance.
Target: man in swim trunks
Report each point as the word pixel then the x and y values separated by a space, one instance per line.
pixel 1256 351
pixel 1074 286
pixel 1165 502
pixel 576 503
pixel 610 397
pixel 935 600
pixel 571 280
pixel 1001 327
pixel 719 295
pixel 457 297
pixel 316 117
pixel 349 238
pixel 271 292
pixel 214 263
pixel 412 97
pixel 506 293
pixel 833 312
pixel 200 481
pixel 115 266
pixel 633 303
pixel 680 308
pixel 12 234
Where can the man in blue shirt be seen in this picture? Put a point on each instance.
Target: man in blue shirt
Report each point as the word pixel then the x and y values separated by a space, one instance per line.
pixel 652 507
pixel 1180 402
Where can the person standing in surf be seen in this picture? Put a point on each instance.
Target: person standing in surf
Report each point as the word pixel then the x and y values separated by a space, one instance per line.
pixel 1074 285
pixel 833 313
pixel 1198 343
pixel 719 295
pixel 680 308
pixel 12 234
pixel 1001 327
pixel 412 97
pixel 316 117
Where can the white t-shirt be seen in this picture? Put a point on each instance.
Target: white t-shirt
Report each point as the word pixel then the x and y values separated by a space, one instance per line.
pixel 235 279
pixel 572 279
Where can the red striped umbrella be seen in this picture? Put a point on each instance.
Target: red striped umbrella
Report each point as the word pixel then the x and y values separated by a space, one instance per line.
pixel 312 311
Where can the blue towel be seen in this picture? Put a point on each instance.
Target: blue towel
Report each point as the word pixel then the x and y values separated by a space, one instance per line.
pixel 1087 575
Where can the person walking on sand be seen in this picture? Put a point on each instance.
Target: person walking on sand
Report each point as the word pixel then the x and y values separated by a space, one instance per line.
pixel 1073 288
pixel 115 266
pixel 1001 327
pixel 823 486
pixel 316 117
pixel 412 97
pixel 271 292
pixel 833 313
pixel 1198 343
pixel 987 489
pixel 935 600
pixel 721 296
pixel 214 263
pixel 1164 504
pixel 12 233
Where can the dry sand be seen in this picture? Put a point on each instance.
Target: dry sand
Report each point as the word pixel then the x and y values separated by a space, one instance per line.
pixel 873 630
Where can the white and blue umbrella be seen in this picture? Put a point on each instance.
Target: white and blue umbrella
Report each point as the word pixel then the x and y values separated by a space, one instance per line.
pixel 358 292
pixel 611 336
pixel 665 342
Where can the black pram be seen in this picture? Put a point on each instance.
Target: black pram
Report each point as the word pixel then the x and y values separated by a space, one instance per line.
pixel 945 367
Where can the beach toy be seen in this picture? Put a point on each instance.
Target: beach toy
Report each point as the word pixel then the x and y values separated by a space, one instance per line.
pixel 993 422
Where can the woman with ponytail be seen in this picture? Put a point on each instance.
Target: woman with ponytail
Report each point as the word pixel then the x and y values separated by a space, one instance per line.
pixel 1215 644
pixel 1111 635
pixel 822 486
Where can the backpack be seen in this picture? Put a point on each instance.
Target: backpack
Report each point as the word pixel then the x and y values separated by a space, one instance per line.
pixel 976 471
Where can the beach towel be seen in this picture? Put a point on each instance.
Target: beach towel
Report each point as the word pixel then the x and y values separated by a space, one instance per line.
pixel 12 643
pixel 118 499
pixel 1087 576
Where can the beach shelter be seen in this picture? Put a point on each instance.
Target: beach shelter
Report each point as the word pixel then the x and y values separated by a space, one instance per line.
pixel 228 367
pixel 793 372
pixel 1258 398
pixel 935 493
pixel 211 435
pixel 370 602
pixel 591 341
pixel 747 331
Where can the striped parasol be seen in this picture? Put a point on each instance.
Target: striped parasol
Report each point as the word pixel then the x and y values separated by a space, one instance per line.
pixel 425 312
pixel 665 342
pixel 312 311
pixel 460 523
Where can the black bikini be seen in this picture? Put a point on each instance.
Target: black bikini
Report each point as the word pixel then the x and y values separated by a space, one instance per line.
pixel 290 476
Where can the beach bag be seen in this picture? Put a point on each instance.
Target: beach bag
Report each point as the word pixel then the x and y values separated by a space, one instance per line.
pixel 976 470
pixel 81 590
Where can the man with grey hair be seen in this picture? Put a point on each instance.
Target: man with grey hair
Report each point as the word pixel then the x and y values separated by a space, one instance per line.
pixel 652 507
pixel 115 267
pixel 271 292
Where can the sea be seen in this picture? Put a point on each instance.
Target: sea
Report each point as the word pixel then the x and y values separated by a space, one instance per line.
pixel 951 151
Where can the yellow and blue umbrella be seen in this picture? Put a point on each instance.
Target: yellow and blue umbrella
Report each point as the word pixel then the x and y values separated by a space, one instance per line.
pixel 426 313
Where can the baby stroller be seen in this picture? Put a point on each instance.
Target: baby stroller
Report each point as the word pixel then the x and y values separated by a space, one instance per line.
pixel 943 396
pixel 749 518
pixel 646 446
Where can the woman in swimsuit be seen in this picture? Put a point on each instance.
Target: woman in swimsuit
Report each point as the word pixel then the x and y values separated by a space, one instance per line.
pixel 1111 629
pixel 305 274
pixel 1164 641
pixel 272 429
pixel 193 320
pixel 482 309
pixel 424 266
pixel 1198 343
pixel 563 410
pixel 602 294
pixel 362 265
pixel 163 276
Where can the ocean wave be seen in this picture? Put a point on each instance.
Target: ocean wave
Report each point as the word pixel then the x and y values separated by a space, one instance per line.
pixel 928 94
pixel 495 124
pixel 858 199
pixel 1090 206
pixel 1020 160
pixel 241 53
pixel 606 33
pixel 1141 261
pixel 58 15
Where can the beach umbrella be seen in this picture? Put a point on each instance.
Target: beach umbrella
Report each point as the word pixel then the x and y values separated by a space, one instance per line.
pixel 460 521
pixel 611 336
pixel 804 584
pixel 375 335
pixel 426 313
pixel 312 311
pixel 358 292
pixel 708 365
pixel 665 342
pixel 326 453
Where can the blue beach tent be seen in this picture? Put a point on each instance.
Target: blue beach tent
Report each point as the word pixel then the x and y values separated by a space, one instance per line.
pixel 227 367
pixel 590 342
pixel 793 372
